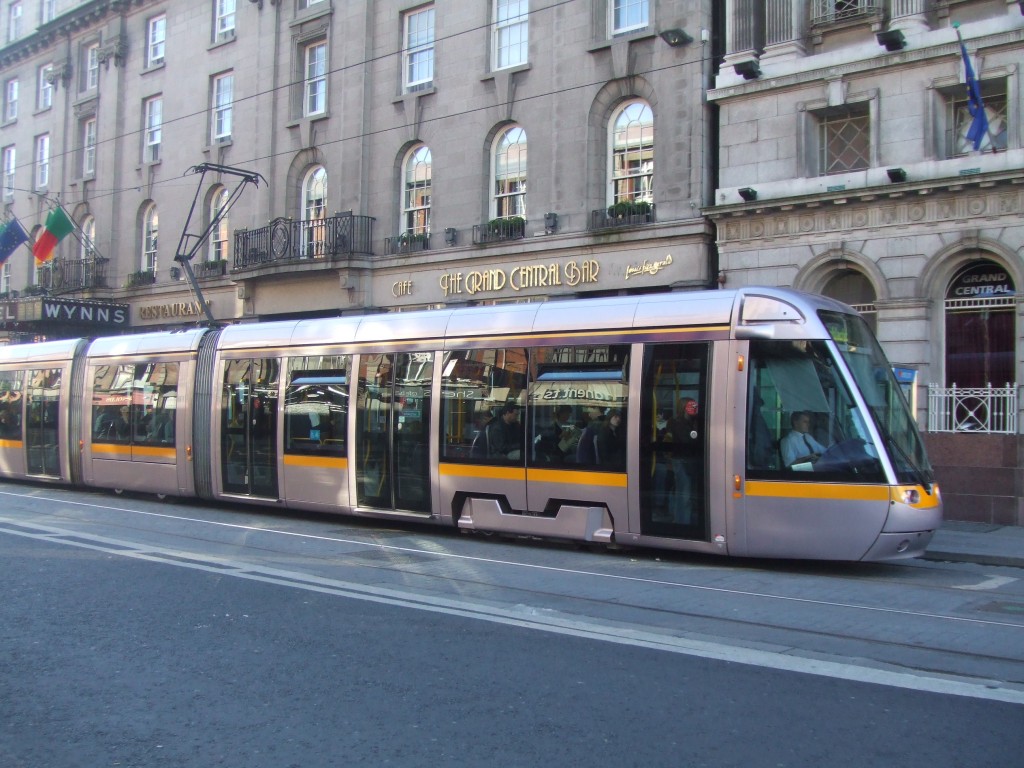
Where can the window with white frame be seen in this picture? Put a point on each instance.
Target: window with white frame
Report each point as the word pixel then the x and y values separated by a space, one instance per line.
pixel 49 10
pixel 832 11
pixel 14 12
pixel 89 146
pixel 42 161
pixel 153 116
pixel 315 79
pixel 44 94
pixel 418 53
pixel 844 139
pixel 91 68
pixel 509 197
pixel 314 211
pixel 156 37
pixel 416 191
pixel 223 101
pixel 627 15
pixel 10 160
pixel 224 20
pixel 959 119
pixel 87 247
pixel 11 100
pixel 303 4
pixel 150 230
pixel 511 32
pixel 5 278
pixel 219 234
pixel 632 154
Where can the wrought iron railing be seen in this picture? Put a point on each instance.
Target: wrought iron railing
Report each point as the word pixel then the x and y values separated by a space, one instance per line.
pixel 831 11
pixel 282 240
pixel 407 243
pixel 611 219
pixel 68 275
pixel 140 278
pixel 498 230
pixel 989 410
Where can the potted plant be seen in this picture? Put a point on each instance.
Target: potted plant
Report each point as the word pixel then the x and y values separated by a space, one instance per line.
pixel 507 228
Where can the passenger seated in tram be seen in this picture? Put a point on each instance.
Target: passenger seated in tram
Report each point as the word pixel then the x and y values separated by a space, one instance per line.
pixel 504 434
pixel 799 447
pixel 586 449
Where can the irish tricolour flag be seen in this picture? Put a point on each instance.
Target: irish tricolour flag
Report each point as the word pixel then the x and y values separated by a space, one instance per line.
pixel 58 226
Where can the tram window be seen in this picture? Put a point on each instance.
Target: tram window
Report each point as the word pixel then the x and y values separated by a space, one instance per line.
pixel 135 403
pixel 316 405
pixel 476 385
pixel 577 404
pixel 10 404
pixel 802 422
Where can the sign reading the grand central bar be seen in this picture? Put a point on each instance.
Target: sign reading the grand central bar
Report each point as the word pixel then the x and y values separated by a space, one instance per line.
pixel 520 278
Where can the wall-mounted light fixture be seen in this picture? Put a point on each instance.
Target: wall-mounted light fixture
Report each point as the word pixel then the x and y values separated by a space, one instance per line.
pixel 675 37
pixel 748 193
pixel 451 234
pixel 550 222
pixel 748 70
pixel 892 39
pixel 896 175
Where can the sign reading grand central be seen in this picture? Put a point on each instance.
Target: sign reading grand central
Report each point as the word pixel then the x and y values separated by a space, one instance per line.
pixel 569 274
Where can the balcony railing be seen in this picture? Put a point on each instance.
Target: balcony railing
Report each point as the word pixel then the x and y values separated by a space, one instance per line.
pixel 140 278
pixel 986 410
pixel 69 275
pixel 499 230
pixel 619 216
pixel 825 12
pixel 286 240
pixel 407 243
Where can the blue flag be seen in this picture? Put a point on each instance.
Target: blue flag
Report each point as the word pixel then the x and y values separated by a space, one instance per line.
pixel 979 123
pixel 12 234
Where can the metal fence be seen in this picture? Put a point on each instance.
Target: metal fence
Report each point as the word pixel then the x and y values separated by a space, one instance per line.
pixel 986 410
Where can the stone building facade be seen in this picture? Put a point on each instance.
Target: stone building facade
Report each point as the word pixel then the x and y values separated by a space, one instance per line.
pixel 846 170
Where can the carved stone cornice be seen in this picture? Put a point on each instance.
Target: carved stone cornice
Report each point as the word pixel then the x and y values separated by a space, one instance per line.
pixel 59 74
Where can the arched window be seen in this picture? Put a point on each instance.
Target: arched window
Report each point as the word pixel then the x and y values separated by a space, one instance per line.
pixel 314 212
pixel 980 333
pixel 87 250
pixel 509 174
pixel 852 287
pixel 150 230
pixel 416 175
pixel 219 234
pixel 632 154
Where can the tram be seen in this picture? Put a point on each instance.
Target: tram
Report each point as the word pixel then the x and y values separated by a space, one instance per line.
pixel 755 422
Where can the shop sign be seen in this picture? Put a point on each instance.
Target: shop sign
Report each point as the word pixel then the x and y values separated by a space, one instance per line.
pixel 981 281
pixel 520 278
pixel 171 311
pixel 84 312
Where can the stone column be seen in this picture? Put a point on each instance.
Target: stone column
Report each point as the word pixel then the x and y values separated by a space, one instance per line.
pixel 784 30
pixel 744 31
pixel 908 15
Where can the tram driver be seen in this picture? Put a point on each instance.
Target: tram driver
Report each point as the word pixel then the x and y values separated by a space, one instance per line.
pixel 799 446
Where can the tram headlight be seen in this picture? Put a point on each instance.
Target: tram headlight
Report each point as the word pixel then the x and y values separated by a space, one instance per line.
pixel 911 496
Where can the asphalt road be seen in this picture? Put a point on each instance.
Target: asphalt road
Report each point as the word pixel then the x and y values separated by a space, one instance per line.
pixel 140 634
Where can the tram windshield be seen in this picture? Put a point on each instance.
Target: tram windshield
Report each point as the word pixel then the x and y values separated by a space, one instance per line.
pixel 888 407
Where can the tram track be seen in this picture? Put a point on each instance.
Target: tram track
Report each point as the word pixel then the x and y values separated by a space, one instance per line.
pixel 642 596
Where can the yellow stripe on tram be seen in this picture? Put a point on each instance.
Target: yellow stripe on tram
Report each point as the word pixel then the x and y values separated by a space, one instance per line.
pixel 115 449
pixel 327 462
pixel 152 452
pixel 11 444
pixel 489 472
pixel 823 491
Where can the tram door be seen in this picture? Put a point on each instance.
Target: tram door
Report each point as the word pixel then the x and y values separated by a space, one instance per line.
pixel 674 441
pixel 392 454
pixel 249 427
pixel 42 422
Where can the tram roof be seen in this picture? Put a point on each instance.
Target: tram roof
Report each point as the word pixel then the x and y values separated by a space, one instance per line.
pixel 40 352
pixel 716 307
pixel 147 343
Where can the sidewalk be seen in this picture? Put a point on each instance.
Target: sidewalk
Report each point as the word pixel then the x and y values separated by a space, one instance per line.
pixel 978 543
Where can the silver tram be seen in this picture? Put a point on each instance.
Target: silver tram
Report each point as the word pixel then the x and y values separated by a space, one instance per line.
pixel 755 422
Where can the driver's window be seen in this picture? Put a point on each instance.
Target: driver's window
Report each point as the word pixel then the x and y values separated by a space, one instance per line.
pixel 802 423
